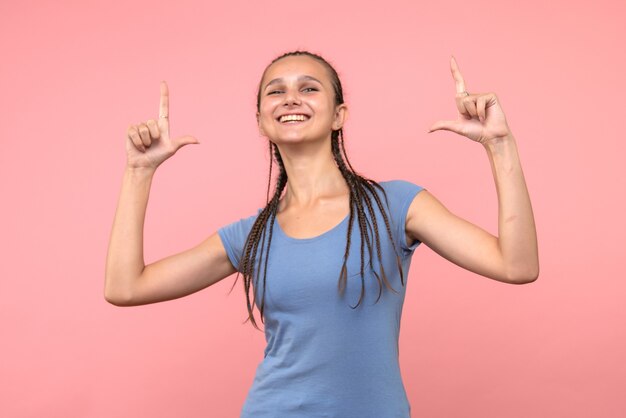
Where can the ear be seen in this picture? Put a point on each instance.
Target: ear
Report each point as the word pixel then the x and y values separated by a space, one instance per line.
pixel 258 122
pixel 341 115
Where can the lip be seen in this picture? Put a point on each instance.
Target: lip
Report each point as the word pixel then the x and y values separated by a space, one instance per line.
pixel 308 117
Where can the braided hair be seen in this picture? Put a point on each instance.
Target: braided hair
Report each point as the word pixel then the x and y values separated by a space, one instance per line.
pixel 359 201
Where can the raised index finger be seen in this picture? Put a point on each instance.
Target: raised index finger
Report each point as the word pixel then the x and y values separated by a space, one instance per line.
pixel 456 74
pixel 164 105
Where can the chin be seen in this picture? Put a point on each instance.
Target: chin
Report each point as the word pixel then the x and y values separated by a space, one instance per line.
pixel 287 141
pixel 297 140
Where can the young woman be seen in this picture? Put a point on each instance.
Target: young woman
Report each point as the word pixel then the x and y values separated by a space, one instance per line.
pixel 328 255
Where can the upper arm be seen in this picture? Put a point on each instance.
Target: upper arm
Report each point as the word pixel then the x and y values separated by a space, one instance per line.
pixel 454 238
pixel 182 274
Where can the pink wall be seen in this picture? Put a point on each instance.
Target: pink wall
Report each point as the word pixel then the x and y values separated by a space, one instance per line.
pixel 73 77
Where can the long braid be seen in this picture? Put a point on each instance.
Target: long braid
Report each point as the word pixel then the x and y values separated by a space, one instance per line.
pixel 282 181
pixel 343 149
pixel 353 178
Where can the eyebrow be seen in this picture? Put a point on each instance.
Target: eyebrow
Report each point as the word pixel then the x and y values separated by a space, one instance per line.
pixel 301 78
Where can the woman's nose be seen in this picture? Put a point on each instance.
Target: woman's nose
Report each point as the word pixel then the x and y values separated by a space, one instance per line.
pixel 292 97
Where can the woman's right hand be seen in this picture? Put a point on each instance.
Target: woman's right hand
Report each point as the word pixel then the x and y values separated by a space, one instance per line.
pixel 148 144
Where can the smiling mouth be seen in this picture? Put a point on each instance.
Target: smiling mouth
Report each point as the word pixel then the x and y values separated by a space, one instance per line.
pixel 293 119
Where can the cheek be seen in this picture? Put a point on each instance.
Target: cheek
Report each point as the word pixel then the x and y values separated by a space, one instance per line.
pixel 264 117
pixel 325 107
pixel 327 112
pixel 267 110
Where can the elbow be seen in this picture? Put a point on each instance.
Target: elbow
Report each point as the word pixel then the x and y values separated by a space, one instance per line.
pixel 525 279
pixel 117 299
pixel 114 300
pixel 525 275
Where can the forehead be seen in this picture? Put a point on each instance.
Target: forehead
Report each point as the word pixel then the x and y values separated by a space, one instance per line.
pixel 293 66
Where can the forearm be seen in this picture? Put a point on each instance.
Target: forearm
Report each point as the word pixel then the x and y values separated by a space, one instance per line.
pixel 125 260
pixel 517 236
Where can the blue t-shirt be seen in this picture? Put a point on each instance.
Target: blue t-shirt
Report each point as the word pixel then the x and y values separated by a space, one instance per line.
pixel 323 358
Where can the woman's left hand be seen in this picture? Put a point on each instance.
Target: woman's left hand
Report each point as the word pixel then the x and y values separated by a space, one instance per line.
pixel 481 117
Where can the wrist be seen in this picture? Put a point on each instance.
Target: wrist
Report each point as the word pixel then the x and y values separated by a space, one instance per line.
pixel 499 142
pixel 140 171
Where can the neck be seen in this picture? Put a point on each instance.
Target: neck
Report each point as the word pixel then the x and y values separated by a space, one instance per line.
pixel 313 175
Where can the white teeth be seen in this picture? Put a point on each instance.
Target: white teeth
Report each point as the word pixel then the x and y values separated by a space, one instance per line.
pixel 287 118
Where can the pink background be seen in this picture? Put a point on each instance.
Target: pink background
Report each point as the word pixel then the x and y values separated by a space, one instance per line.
pixel 74 76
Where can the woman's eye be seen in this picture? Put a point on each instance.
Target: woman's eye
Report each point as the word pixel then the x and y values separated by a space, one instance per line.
pixel 280 91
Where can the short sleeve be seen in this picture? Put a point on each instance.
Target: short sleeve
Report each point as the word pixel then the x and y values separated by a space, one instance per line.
pixel 401 194
pixel 234 237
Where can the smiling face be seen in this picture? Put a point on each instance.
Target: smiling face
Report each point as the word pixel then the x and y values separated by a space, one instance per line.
pixel 297 101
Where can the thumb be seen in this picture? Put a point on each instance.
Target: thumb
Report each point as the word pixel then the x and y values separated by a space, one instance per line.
pixel 447 125
pixel 185 140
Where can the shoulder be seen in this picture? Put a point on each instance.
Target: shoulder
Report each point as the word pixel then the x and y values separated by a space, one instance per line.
pixel 399 185
pixel 241 226
pixel 400 192
pixel 401 195
pixel 234 236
